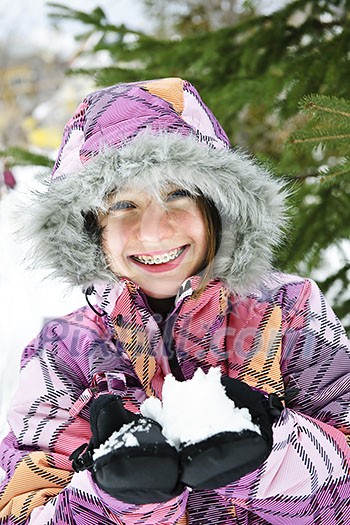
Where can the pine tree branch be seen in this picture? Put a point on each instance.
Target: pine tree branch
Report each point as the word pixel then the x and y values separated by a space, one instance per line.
pixel 326 178
pixel 320 175
pixel 313 106
pixel 306 176
pixel 321 138
pixel 16 156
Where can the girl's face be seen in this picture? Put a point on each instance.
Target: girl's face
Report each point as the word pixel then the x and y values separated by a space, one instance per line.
pixel 155 244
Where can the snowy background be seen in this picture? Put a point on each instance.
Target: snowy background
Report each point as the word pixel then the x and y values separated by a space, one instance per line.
pixel 27 297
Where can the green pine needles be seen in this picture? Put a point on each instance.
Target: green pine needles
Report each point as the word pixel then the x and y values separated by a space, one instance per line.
pixel 328 128
pixel 16 156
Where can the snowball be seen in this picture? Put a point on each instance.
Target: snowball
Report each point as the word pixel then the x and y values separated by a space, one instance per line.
pixel 152 408
pixel 194 410
pixel 122 438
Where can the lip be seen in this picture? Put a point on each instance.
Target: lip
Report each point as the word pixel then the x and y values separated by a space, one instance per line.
pixel 163 267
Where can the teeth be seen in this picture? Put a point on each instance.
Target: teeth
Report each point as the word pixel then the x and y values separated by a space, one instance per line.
pixel 159 259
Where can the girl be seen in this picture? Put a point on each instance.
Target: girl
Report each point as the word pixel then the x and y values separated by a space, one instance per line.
pixel 171 233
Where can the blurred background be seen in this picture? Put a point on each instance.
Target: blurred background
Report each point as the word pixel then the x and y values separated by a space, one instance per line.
pixel 275 74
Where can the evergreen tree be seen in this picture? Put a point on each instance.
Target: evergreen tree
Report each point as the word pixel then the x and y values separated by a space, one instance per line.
pixel 325 207
pixel 253 75
pixel 190 17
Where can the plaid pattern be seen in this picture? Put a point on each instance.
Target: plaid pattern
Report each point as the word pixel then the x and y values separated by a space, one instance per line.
pixel 284 339
pixel 115 115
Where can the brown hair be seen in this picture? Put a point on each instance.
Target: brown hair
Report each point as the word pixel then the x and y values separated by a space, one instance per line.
pixel 213 226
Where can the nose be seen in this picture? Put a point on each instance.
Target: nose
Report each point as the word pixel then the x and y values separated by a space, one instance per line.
pixel 155 223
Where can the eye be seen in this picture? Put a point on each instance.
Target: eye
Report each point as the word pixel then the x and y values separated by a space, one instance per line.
pixel 178 194
pixel 121 205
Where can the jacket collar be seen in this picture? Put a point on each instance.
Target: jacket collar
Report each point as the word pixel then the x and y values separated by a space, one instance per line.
pixel 107 294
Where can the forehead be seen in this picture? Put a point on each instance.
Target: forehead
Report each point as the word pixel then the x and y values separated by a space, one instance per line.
pixel 143 192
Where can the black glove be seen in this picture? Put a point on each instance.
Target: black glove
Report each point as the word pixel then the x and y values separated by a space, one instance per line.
pixel 227 456
pixel 145 472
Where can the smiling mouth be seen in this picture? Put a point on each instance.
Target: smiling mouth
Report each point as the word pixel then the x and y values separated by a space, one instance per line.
pixel 159 259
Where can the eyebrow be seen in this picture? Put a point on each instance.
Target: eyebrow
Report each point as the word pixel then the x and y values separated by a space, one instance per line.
pixel 131 194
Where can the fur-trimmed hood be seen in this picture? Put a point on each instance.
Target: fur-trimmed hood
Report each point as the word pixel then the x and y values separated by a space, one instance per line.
pixel 175 146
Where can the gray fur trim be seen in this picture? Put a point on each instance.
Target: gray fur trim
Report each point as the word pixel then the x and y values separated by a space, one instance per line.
pixel 250 202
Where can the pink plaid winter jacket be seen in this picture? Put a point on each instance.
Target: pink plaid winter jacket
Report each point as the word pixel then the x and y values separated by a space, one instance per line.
pixel 286 339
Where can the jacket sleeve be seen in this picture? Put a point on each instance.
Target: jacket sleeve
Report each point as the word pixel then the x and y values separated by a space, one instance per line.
pixel 40 487
pixel 306 478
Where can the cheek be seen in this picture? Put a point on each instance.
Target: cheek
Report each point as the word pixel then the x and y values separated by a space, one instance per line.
pixel 194 225
pixel 114 239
